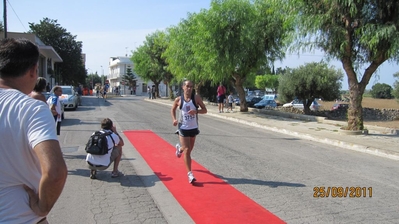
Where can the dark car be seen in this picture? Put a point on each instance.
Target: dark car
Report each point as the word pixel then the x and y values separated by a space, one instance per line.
pixel 265 103
pixel 340 106
pixel 251 100
pixel 237 101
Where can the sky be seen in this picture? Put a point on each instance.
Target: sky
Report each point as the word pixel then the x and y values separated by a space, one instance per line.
pixel 116 28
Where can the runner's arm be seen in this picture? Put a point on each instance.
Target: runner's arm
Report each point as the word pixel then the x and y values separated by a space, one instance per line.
pixel 199 101
pixel 176 103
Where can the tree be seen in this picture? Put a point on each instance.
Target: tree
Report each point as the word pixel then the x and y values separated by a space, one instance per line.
pixel 395 91
pixel 267 81
pixel 183 52
pixel 144 66
pixel 92 79
pixel 357 33
pixel 129 77
pixel 71 70
pixel 234 38
pixel 310 81
pixel 381 91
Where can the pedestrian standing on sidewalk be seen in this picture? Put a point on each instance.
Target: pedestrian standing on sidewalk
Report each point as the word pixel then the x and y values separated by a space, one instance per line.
pixel 221 96
pixel 149 92
pixel 230 100
pixel 55 106
pixel 33 171
pixel 188 123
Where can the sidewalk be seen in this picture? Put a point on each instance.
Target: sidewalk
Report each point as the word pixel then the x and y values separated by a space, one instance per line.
pixel 379 141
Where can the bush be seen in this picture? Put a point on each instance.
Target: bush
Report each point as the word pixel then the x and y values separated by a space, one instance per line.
pixel 381 91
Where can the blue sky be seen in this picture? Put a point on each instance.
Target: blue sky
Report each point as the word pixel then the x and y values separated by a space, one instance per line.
pixel 115 28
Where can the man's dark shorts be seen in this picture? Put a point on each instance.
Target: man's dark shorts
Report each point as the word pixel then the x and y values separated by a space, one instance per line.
pixel 221 98
pixel 189 133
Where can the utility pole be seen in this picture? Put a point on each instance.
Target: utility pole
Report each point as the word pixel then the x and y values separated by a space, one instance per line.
pixel 5 17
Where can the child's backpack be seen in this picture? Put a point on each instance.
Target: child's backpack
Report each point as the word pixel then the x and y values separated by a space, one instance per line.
pixel 98 143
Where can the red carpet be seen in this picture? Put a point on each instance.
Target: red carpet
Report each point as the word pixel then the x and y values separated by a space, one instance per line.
pixel 210 199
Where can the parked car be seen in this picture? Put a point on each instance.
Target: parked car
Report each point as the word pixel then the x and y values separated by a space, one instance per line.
pixel 69 97
pixel 237 101
pixel 298 104
pixel 340 106
pixel 266 103
pixel 251 100
pixel 47 95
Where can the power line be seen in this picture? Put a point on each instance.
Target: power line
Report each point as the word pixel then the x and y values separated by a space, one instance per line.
pixel 16 15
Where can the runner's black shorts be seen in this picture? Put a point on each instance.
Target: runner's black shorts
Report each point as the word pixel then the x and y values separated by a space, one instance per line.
pixel 189 133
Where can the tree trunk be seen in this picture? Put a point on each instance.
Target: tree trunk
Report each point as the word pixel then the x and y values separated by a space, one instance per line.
pixel 355 111
pixel 241 93
pixel 171 95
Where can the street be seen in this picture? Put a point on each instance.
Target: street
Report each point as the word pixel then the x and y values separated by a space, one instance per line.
pixel 297 180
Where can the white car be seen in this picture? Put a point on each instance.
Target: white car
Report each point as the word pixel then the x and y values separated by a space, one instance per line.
pixel 299 104
pixel 69 97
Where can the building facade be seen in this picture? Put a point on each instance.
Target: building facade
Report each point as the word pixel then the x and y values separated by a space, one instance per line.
pixel 118 67
pixel 48 56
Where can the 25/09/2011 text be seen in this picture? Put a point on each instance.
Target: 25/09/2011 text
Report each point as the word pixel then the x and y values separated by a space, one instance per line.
pixel 342 192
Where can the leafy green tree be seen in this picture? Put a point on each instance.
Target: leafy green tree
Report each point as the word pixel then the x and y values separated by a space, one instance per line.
pixel 92 79
pixel 310 81
pixel 395 91
pixel 357 33
pixel 149 62
pixel 381 91
pixel 267 81
pixel 144 66
pixel 234 38
pixel 71 71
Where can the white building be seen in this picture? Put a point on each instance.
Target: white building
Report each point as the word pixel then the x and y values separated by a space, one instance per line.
pixel 118 68
pixel 48 56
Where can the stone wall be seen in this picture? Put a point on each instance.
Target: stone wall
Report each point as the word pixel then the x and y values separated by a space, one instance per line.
pixel 369 114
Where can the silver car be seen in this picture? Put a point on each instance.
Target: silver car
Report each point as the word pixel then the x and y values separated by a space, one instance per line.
pixel 298 104
pixel 69 97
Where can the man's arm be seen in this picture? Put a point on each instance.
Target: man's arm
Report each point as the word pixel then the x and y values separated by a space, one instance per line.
pixel 54 174
pixel 203 109
pixel 173 110
pixel 121 142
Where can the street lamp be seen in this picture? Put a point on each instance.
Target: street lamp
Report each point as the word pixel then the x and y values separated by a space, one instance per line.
pixel 102 76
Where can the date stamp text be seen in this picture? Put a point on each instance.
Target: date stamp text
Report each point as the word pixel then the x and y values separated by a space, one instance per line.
pixel 342 192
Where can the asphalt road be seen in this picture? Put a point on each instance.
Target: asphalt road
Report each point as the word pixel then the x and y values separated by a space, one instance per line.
pixel 285 175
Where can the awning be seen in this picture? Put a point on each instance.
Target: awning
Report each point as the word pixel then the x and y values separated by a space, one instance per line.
pixel 49 52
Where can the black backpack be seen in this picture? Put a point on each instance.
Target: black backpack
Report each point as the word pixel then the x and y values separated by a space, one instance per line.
pixel 98 143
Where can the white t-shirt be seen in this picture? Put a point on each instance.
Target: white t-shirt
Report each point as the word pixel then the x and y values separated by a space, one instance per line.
pixel 104 160
pixel 24 123
pixel 55 100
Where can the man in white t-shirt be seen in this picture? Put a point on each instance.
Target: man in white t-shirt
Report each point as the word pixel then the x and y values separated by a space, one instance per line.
pixel 102 162
pixel 32 169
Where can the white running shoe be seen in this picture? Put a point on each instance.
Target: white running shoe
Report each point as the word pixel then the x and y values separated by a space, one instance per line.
pixel 178 152
pixel 191 177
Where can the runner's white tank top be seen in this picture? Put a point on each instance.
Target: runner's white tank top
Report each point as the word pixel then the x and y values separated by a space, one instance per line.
pixel 188 121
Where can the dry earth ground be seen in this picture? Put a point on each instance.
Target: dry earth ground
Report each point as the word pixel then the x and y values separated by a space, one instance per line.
pixel 372 103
